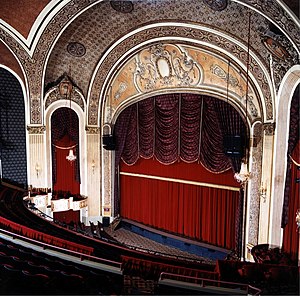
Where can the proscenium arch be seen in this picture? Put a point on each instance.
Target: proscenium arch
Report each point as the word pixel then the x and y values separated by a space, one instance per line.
pixel 82 141
pixel 108 116
pixel 117 56
pixel 108 164
pixel 285 94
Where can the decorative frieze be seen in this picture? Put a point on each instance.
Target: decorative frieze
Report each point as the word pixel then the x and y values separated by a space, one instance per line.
pixel 92 130
pixel 36 129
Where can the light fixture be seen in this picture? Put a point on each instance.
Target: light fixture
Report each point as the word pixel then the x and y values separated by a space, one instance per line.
pixel 93 166
pixel 298 219
pixel 65 89
pixel 37 169
pixel 244 175
pixel 263 191
pixel 71 157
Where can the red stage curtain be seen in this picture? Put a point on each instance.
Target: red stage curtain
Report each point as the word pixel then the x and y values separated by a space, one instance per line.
pixel 65 170
pixel 199 212
pixel 290 233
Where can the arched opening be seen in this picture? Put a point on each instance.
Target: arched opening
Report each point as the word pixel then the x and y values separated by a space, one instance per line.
pixel 291 200
pixel 177 155
pixel 65 136
pixel 65 173
pixel 13 157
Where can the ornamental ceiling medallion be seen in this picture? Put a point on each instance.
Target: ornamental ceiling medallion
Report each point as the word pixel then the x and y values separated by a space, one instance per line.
pixel 122 6
pixel 217 5
pixel 76 49
pixel 164 66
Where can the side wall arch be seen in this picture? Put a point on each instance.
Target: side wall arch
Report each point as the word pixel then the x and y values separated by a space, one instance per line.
pixel 284 98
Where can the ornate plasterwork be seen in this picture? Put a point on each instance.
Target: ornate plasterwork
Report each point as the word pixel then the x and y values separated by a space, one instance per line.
pixel 36 129
pixel 54 95
pixel 269 128
pixel 162 66
pixel 92 130
pixel 254 201
pixel 173 31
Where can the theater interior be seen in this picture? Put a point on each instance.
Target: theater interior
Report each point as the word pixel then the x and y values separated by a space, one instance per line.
pixel 149 147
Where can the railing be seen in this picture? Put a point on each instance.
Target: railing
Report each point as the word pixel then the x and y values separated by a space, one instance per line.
pixel 46 246
pixel 43 215
pixel 188 281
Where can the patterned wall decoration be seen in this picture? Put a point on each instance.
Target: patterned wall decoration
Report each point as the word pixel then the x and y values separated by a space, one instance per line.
pixel 34 65
pixel 256 169
pixel 12 129
pixel 95 32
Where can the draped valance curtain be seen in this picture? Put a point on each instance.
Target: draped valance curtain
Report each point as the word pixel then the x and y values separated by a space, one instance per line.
pixel 178 127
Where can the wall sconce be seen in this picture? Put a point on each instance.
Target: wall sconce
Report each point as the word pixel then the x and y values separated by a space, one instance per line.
pixel 37 169
pixel 263 191
pixel 93 166
pixel 298 219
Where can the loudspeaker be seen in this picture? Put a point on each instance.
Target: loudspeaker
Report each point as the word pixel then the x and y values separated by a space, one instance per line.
pixel 108 142
pixel 105 221
pixel 233 145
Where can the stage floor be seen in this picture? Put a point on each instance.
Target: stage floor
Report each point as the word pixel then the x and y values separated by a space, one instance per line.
pixel 144 238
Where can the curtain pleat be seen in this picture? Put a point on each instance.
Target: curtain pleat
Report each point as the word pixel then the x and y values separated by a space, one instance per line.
pixel 199 212
pixel 179 136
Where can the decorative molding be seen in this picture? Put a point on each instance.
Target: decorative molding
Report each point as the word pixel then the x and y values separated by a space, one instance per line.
pixel 163 66
pixel 254 202
pixel 221 73
pixel 173 31
pixel 92 130
pixel 54 95
pixel 36 129
pixel 269 128
pixel 122 87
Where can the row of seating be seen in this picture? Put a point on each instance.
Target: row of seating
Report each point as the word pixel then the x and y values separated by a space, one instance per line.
pixel 24 271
